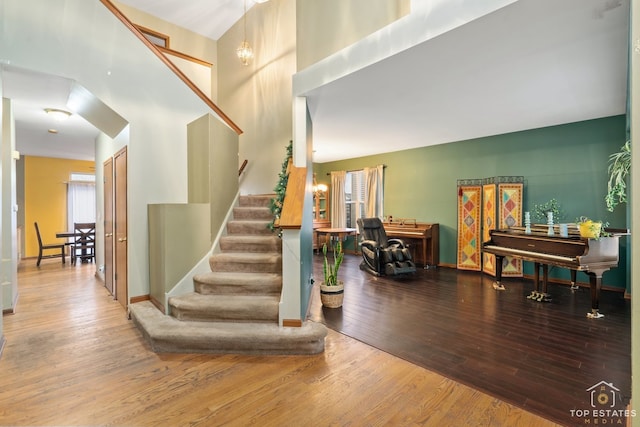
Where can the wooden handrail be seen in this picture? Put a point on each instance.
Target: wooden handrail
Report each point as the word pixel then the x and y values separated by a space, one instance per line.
pixel 291 215
pixel 118 14
pixel 183 56
pixel 242 166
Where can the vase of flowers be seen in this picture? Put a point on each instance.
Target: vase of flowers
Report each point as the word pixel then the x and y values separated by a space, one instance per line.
pixel 590 229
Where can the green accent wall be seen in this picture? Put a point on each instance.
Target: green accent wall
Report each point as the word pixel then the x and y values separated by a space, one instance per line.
pixel 567 162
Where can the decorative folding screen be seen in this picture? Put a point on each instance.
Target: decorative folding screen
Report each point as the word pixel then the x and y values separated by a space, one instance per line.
pixel 502 208
pixel 469 225
pixel 483 205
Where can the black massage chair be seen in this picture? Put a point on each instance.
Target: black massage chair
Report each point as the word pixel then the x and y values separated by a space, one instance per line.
pixel 382 256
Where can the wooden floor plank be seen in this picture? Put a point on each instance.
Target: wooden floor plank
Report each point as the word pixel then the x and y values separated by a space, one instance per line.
pixel 73 358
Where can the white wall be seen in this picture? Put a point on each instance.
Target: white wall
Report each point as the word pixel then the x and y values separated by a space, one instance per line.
pixel 184 41
pixel 258 96
pixel 9 234
pixel 83 41
pixel 2 124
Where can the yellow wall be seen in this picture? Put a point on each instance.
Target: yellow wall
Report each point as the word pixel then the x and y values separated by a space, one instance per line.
pixel 45 197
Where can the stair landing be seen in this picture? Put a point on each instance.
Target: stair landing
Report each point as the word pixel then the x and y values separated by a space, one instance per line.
pixel 167 334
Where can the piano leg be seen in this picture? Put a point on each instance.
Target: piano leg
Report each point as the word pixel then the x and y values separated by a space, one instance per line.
pixel 536 282
pixel 544 296
pixel 595 281
pixel 539 294
pixel 497 285
pixel 574 280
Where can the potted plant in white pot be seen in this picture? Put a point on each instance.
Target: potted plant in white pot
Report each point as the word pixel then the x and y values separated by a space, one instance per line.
pixel 332 289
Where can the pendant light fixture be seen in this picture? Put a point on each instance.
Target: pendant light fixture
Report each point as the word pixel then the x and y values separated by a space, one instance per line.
pixel 245 53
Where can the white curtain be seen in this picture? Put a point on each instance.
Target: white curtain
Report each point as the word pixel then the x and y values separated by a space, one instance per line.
pixel 374 194
pixel 81 203
pixel 338 206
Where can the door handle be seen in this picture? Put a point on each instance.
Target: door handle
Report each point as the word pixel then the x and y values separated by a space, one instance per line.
pixel 122 239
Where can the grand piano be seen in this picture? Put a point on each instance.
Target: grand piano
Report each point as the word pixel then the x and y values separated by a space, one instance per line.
pixel 593 256
pixel 423 239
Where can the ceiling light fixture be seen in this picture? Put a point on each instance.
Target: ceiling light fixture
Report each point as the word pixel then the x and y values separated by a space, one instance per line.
pixel 57 114
pixel 245 53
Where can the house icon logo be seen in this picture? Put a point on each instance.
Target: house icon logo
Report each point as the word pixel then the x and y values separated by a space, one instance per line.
pixel 603 395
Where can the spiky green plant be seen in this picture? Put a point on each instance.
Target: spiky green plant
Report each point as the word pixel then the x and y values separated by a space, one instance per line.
pixel 330 270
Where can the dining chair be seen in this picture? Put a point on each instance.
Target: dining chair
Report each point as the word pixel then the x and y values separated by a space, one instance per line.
pixel 48 247
pixel 84 243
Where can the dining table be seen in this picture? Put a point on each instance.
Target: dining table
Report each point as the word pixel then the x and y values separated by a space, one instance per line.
pixel 72 235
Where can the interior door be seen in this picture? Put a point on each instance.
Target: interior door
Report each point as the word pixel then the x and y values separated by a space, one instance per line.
pixel 120 226
pixel 108 224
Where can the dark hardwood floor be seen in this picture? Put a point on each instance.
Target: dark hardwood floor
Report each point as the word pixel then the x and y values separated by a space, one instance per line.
pixel 542 357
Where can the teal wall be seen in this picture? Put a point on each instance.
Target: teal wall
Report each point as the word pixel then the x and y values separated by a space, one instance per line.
pixel 566 162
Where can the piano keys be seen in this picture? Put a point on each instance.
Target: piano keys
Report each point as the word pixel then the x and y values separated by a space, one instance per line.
pixel 576 253
pixel 423 240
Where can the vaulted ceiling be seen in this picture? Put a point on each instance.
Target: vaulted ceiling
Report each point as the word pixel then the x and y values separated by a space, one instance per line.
pixel 532 64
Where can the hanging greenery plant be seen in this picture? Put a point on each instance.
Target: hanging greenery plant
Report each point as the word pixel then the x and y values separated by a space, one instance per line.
pixel 280 189
pixel 619 166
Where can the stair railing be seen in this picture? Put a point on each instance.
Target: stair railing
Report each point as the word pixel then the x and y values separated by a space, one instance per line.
pixel 242 166
pixel 109 5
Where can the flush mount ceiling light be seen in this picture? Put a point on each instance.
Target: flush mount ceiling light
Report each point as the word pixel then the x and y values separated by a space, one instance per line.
pixel 57 114
pixel 260 1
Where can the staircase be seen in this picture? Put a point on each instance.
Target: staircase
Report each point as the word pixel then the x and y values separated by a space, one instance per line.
pixel 234 307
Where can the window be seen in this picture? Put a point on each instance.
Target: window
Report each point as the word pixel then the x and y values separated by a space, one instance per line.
pixel 81 199
pixel 354 189
pixel 154 37
pixel 84 177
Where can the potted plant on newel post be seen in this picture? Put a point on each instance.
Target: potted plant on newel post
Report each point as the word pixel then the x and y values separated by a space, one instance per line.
pixel 332 289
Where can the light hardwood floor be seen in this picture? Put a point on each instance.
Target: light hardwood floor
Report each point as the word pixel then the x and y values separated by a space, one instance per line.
pixel 73 358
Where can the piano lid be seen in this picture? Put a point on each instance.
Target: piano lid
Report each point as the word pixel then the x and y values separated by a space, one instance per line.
pixel 538 241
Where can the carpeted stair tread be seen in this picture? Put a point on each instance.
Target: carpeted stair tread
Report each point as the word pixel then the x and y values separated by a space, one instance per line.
pixel 251 243
pixel 225 308
pixel 252 212
pixel 247 226
pixel 169 335
pixel 220 282
pixel 260 200
pixel 252 262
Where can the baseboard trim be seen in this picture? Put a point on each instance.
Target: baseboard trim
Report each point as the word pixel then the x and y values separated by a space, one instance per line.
pixel 157 304
pixel 139 298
